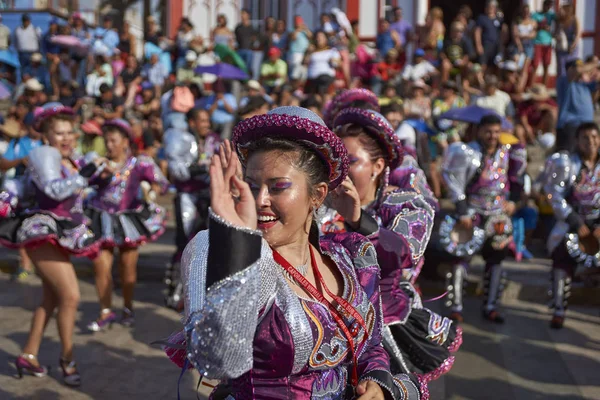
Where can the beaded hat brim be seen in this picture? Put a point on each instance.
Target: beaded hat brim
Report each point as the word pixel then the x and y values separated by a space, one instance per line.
pixel 344 99
pixel 50 110
pixel 378 127
pixel 120 124
pixel 294 125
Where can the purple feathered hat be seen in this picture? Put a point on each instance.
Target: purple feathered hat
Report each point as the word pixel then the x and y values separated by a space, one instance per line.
pixel 378 127
pixel 119 124
pixel 345 99
pixel 50 110
pixel 300 125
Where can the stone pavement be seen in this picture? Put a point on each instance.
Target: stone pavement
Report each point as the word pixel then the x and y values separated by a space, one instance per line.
pixel 522 359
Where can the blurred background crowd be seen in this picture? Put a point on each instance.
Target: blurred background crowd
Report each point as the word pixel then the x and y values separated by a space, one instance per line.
pixel 205 85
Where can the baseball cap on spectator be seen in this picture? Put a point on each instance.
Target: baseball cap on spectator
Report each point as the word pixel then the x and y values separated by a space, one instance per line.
pixel 539 92
pixel 419 53
pixel 457 26
pixel 392 53
pixel 77 15
pixel 146 85
pixel 91 127
pixel 252 84
pixel 510 66
pixel 274 51
pixel 420 84
pixel 36 57
pixel 573 62
pixel 191 56
pixel 25 17
pixel 53 21
pixel 34 85
pixel 450 85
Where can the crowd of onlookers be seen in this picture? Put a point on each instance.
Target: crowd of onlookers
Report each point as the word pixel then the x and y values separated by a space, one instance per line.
pixel 418 73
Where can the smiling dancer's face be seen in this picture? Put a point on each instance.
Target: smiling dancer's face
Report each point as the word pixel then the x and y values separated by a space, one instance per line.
pixel 284 200
pixel 61 135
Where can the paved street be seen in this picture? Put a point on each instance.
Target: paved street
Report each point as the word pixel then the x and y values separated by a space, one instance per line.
pixel 522 359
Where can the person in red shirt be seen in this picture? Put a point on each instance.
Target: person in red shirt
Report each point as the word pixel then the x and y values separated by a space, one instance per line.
pixel 388 70
pixel 538 114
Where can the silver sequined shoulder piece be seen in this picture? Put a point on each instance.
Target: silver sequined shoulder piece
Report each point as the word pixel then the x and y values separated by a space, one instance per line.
pixel 45 165
pixel 44 156
pixel 459 165
pixel 299 112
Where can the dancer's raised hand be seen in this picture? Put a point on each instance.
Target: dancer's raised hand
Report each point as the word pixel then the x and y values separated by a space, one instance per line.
pixel 230 196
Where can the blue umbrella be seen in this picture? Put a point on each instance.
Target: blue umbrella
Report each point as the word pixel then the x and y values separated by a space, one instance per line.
pixel 223 71
pixel 9 58
pixel 473 114
pixel 420 125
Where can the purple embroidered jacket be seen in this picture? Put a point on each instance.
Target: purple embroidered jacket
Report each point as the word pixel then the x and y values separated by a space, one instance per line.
pixel 481 185
pixel 121 191
pixel 57 190
pixel 246 326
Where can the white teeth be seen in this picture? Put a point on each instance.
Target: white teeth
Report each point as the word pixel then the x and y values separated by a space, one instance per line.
pixel 265 218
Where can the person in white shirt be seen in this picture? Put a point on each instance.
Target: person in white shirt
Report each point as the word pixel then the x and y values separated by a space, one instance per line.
pixel 27 40
pixel 494 98
pixel 322 63
pixel 421 69
pixel 102 73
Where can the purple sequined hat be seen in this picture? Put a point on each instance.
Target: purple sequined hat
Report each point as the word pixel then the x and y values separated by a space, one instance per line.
pixel 300 125
pixel 345 99
pixel 378 127
pixel 120 124
pixel 50 110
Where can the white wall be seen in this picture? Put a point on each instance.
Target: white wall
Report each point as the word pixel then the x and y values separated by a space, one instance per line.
pixel 368 18
pixel 203 14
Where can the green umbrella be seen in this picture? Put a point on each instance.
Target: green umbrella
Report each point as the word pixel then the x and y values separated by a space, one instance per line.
pixel 229 56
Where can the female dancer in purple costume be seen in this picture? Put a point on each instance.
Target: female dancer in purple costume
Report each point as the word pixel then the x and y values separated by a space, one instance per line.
pixel 398 221
pixel 121 219
pixel 55 227
pixel 260 285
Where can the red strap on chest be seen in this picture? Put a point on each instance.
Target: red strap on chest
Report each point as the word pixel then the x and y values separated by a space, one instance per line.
pixel 335 313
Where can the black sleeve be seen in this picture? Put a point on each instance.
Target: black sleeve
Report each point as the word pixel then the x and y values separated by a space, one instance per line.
pixel 88 170
pixel 230 250
pixel 366 225
pixel 196 170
